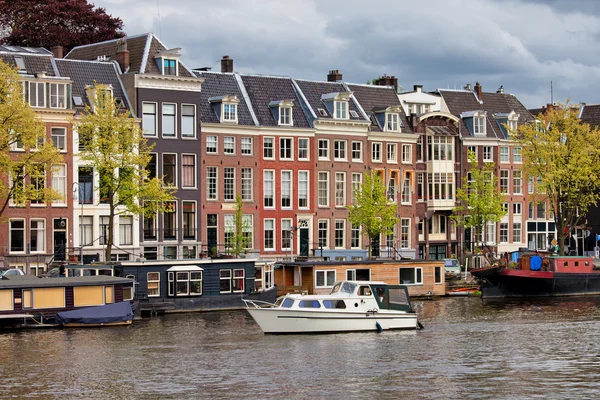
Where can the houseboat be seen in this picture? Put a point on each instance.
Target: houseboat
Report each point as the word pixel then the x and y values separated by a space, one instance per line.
pixel 198 285
pixel 350 306
pixel 28 300
pixel 536 275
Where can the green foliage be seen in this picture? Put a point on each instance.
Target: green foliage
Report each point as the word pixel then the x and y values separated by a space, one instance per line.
pixel 563 155
pixel 26 170
pixel 113 145
pixel 240 240
pixel 373 211
pixel 479 200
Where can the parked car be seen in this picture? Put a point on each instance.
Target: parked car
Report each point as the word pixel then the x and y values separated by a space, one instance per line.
pixel 11 272
pixel 452 268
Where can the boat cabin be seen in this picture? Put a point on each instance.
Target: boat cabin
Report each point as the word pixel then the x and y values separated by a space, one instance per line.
pixel 559 264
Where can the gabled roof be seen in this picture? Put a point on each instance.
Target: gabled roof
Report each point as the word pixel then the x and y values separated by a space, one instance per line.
pixel 263 90
pixel 373 98
pixel 86 73
pixel 25 50
pixel 313 92
pixel 591 115
pixel 34 62
pixel 142 49
pixel 218 84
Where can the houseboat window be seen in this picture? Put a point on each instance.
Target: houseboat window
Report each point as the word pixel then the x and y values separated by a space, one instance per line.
pixel 287 303
pixel 6 300
pixel 325 278
pixel 411 276
pixel 183 284
pixel 109 294
pixel 225 276
pixel 49 298
pixel 196 283
pixel 577 263
pixel 565 264
pixel 334 304
pixel 238 280
pixel 153 284
pixel 309 304
pixel 27 298
pixel 84 296
pixel 364 291
pixel 105 272
pixel 127 293
pixel 438 275
pixel 361 274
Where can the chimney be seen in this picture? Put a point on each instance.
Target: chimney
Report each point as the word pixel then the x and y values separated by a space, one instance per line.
pixel 478 90
pixel 57 51
pixel 413 121
pixel 418 88
pixel 122 55
pixel 467 86
pixel 388 81
pixel 226 64
pixel 500 89
pixel 334 76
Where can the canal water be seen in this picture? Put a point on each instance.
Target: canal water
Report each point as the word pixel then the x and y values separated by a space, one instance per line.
pixel 469 349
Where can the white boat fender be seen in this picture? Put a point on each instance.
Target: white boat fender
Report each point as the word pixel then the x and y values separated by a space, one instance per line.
pixel 379 328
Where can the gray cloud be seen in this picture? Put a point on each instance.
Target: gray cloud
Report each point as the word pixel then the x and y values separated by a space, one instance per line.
pixel 522 45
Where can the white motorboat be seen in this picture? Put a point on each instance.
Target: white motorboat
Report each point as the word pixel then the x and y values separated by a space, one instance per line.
pixel 351 306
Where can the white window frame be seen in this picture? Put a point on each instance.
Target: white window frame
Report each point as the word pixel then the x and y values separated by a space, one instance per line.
pixel 340 109
pixel 407 154
pixel 405 239
pixel 323 149
pixel 272 229
pixel 392 153
pixel 229 176
pixel 287 191
pixel 488 154
pixel 284 149
pixel 479 125
pixel 416 281
pixel 41 234
pixel 325 238
pixel 323 188
pixel 326 273
pixel 174 115
pixel 212 194
pixel 504 154
pixel 229 145
pixel 157 281
pixel 339 242
pixel 271 140
pixel 517 155
pixel 266 193
pixel 303 189
pixel 212 144
pixel 376 155
pixel 340 189
pixel 59 183
pixel 186 117
pixel 358 151
pixel 340 150
pixel 195 176
pixel 247 179
pixel 303 149
pixel 229 112
pixel 56 96
pixel 285 116
pixel 175 181
pixel 64 146
pixel 246 146
pixel 392 122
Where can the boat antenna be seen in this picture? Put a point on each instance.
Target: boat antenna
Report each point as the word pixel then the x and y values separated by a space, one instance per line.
pixel 551 94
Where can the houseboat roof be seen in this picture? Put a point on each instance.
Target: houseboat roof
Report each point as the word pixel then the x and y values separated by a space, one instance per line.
pixel 31 281
pixel 197 262
pixel 356 262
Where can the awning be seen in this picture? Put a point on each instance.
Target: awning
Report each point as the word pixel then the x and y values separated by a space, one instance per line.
pixel 176 268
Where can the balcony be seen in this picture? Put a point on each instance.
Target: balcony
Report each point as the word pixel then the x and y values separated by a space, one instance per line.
pixel 440 204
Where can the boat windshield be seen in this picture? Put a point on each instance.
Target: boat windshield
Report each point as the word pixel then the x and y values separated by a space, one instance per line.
pixel 348 287
pixel 336 288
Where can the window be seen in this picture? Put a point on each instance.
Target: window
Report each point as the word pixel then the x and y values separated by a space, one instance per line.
pixel 185 283
pixel 169 169
pixel 228 183
pixel 211 144
pixel 286 189
pixel 441 186
pixel 246 146
pixel 229 145
pixel 303 152
pixel 341 109
pixel 37 235
pixel 340 233
pixel 517 182
pixel 530 211
pixel 504 180
pixel 188 171
pixel 38 183
pixel 125 230
pixel 285 149
pixel 531 185
pixel 325 278
pixel 392 122
pixel 472 149
pixel 229 112
pixel 103 228
pixel 407 154
pixel 405 233
pixel 411 276
pixel 440 148
pixel 268 188
pixel 323 149
pixel 59 183
pixel 339 150
pixel 59 138
pixel 340 189
pixel 149 227
pixel 247 184
pixel 150 253
pixel 286 234
pixel 392 152
pixel 35 94
pixel 488 155
pixel 232 280
pixel 229 230
pixel 504 154
pixel 153 284
pixel 86 227
pixel 376 152
pixel 517 208
pixel 323 233
pixel 420 186
pixel 57 95
pixel 168 119
pixel 517 157
pixel 268 148
pixel 169 67
pixel 285 116
pixel 541 210
pixel 211 183
pixel 356 151
pixel 188 120
pixel 302 189
pixel 149 119
pixel 170 221
pixel 516 232
pixel 269 234
pixel 504 232
pixel 152 167
pixel 437 224
pixel 323 182
pixel 189 220
pixel 355 236
pixel 356 182
pixel 420 148
pixel 406 192
pixel 479 125
pixel 512 124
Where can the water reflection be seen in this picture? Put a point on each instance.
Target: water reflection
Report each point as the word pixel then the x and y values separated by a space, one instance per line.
pixel 469 349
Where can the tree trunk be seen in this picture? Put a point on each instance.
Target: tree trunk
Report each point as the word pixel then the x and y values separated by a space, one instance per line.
pixel 110 239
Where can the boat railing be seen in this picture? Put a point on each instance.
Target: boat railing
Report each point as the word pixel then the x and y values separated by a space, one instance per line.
pixel 257 303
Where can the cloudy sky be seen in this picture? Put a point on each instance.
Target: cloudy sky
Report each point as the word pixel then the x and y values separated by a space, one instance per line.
pixel 523 45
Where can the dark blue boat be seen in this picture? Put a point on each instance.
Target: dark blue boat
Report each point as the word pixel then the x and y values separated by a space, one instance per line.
pixel 107 315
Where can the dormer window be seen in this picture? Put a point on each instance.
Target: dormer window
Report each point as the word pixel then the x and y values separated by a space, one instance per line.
pixel 58 95
pixel 337 104
pixel 169 67
pixel 225 107
pixel 508 121
pixel 479 125
pixel 392 122
pixel 35 93
pixel 475 121
pixel 282 112
pixel 387 118
pixel 168 61
pixel 99 94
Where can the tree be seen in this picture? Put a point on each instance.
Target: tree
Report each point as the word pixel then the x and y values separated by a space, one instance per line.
pixel 562 154
pixel 114 147
pixel 240 240
pixel 50 23
pixel 373 211
pixel 479 200
pixel 26 157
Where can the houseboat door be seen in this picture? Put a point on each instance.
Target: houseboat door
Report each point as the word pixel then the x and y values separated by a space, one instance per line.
pixel 304 242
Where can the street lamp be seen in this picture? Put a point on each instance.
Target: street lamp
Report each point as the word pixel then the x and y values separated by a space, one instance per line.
pixel 77 189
